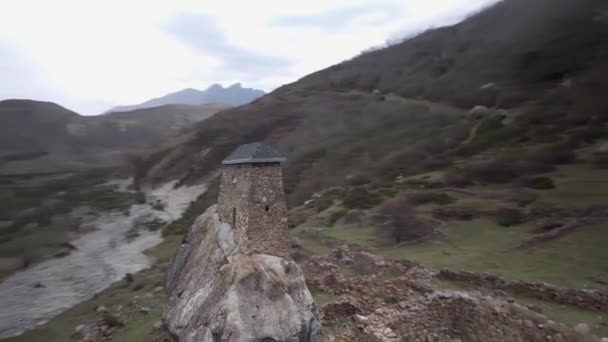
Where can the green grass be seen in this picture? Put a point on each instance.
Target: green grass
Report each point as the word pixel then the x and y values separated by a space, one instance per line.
pixel 567 314
pixel 577 185
pixel 315 246
pixel 484 246
pixel 577 260
pixel 323 298
pixel 141 328
pixel 466 244
pixel 356 236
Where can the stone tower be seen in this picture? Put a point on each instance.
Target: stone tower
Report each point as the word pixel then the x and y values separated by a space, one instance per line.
pixel 252 200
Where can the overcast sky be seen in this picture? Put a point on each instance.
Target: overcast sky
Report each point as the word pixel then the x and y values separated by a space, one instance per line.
pixel 91 55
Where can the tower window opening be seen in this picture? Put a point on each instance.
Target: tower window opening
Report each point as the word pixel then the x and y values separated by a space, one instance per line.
pixel 233 217
pixel 267 208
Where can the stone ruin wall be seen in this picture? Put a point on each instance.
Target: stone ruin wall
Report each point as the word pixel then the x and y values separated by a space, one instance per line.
pixel 594 300
pixel 251 189
pixel 234 191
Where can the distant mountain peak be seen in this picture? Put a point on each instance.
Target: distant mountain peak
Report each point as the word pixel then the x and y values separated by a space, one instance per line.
pixel 215 86
pixel 234 95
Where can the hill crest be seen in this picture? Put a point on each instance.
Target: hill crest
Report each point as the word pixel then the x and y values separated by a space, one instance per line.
pixel 234 95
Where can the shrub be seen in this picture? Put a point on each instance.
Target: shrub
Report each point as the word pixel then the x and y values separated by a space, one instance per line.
pixel 129 278
pixel 558 154
pixel 110 320
pixel 358 180
pixel 138 287
pixel 488 139
pixel 425 197
pixel 490 124
pixel 335 216
pixel 505 169
pixel 140 198
pixel 402 223
pixel 601 160
pixel 523 198
pixel 388 192
pixel 322 204
pixel 360 198
pixel 423 184
pixel 409 162
pixel 536 182
pixel 507 217
pixel 455 212
pixel 457 179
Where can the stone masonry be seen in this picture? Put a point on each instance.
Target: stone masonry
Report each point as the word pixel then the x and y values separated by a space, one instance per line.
pixel 252 200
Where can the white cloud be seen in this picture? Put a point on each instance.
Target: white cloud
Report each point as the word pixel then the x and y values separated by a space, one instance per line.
pixel 89 55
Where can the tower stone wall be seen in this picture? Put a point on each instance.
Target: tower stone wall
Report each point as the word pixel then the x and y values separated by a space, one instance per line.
pixel 252 201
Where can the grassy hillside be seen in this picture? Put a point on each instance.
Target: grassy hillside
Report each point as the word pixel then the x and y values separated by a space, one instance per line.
pixel 519 47
pixel 391 112
pixel 42 136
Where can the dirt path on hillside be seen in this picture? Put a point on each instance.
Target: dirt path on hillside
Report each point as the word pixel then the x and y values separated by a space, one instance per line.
pixel 35 295
pixel 472 133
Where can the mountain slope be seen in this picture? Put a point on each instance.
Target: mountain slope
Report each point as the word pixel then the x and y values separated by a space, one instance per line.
pixel 381 115
pixel 38 117
pixel 234 95
pixel 42 136
pixel 520 47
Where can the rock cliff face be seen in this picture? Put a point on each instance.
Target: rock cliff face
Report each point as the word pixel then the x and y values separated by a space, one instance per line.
pixel 218 293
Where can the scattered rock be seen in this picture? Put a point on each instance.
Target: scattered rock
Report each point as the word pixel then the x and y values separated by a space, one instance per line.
pixel 144 309
pixel 87 333
pixel 479 112
pixel 102 309
pixel 157 325
pixel 360 318
pixel 488 86
pixel 582 328
pixel 158 289
pixel 367 263
pixel 78 329
pixel 295 242
pixel 111 321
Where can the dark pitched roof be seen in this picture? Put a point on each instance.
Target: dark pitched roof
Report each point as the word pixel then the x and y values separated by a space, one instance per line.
pixel 253 153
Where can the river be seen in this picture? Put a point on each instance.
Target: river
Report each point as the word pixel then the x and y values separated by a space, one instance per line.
pixel 102 257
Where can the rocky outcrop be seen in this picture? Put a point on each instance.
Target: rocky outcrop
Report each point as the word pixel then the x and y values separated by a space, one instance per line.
pixel 450 315
pixel 219 293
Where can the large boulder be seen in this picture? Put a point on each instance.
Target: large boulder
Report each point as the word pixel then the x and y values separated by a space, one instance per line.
pixel 218 293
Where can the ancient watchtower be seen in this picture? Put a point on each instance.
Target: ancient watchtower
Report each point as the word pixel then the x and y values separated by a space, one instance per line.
pixel 252 200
